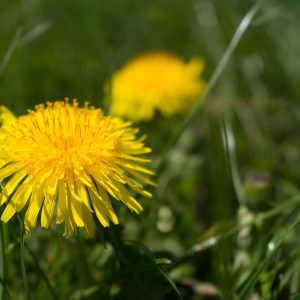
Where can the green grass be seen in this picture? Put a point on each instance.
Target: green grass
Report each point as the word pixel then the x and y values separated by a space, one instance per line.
pixel 226 209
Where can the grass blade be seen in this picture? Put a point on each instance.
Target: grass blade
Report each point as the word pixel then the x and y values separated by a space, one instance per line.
pixel 254 277
pixel 232 159
pixel 157 262
pixel 10 52
pixel 277 242
pixel 35 32
pixel 246 21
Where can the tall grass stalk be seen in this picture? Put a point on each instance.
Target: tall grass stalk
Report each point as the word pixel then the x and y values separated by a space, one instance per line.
pixel 244 24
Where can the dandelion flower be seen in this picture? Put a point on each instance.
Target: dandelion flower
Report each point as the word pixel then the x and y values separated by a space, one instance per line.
pixel 66 161
pixel 156 81
pixel 6 115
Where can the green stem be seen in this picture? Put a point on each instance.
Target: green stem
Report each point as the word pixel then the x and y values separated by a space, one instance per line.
pixel 246 21
pixel 117 245
pixel 42 273
pixel 1 261
pixel 23 268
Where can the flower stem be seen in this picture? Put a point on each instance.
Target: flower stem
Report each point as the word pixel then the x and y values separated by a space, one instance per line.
pixel 42 273
pixel 23 268
pixel 1 261
pixel 244 24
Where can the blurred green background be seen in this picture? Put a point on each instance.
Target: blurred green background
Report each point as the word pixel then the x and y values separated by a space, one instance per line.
pixel 226 192
pixel 70 48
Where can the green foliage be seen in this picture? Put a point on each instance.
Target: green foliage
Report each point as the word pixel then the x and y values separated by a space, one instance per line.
pixel 224 220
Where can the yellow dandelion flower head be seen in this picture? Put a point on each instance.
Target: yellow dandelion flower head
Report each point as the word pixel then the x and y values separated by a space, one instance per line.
pixel 67 161
pixel 6 116
pixel 156 81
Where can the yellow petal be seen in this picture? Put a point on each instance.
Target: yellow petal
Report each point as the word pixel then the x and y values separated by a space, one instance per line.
pixel 50 189
pixel 34 207
pixel 9 170
pixel 88 222
pixel 127 199
pixel 62 202
pixel 75 203
pixel 6 116
pixel 11 186
pixel 18 200
pixel 99 207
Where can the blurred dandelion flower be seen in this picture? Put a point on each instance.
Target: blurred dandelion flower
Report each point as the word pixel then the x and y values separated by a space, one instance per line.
pixel 6 115
pixel 66 160
pixel 156 81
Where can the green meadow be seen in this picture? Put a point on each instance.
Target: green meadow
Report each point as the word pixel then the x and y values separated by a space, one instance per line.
pixel 223 219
